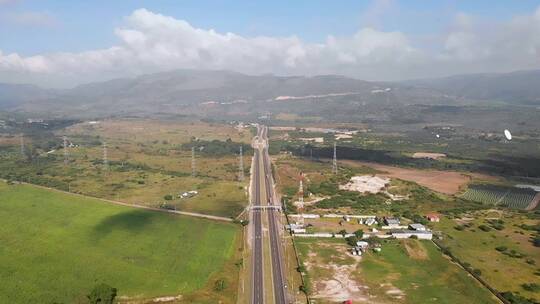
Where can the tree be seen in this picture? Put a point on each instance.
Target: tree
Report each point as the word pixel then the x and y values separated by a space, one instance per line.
pixel 168 197
pixel 352 240
pixel 102 294
pixel 343 232
pixel 359 233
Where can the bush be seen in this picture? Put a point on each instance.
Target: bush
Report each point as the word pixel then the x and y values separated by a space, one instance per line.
pixel 168 197
pixel 220 285
pixel 484 228
pixel 517 299
pixel 501 248
pixel 352 240
pixel 102 294
pixel 532 287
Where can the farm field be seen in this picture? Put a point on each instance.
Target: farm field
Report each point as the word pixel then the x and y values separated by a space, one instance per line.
pixel 147 161
pixel 467 239
pixel 511 197
pixel 408 271
pixel 57 246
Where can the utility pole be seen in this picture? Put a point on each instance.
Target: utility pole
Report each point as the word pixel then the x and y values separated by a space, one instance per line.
pixel 105 160
pixel 22 144
pixel 193 169
pixel 334 162
pixel 66 155
pixel 241 166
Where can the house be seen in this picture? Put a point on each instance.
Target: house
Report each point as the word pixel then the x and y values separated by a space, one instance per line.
pixel 433 217
pixel 362 245
pixel 370 221
pixel 405 234
pixel 417 227
pixel 391 221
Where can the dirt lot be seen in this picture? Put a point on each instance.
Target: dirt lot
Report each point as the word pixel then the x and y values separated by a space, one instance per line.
pixel 447 182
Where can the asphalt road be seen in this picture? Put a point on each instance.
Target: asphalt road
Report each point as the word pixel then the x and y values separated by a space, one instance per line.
pixel 278 278
pixel 257 280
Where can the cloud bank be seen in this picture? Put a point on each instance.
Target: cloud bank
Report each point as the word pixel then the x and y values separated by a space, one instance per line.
pixel 151 42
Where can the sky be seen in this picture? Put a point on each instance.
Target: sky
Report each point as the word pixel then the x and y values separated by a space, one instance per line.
pixel 66 43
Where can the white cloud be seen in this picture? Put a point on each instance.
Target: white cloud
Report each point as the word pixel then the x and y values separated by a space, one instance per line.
pixel 151 42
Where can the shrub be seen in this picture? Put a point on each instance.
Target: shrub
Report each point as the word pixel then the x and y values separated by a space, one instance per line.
pixel 352 240
pixel 220 285
pixel 102 294
pixel 501 248
pixel 359 233
pixel 484 228
pixel 532 287
pixel 168 197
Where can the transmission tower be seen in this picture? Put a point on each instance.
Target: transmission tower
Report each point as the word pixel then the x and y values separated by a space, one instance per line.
pixel 105 160
pixel 22 144
pixel 241 166
pixel 334 162
pixel 193 168
pixel 66 153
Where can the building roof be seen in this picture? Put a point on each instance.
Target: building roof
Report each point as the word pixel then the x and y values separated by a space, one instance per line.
pixel 410 232
pixel 417 226
pixel 392 220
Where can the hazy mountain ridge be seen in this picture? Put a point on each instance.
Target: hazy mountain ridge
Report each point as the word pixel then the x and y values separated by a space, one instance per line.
pixel 182 90
pixel 520 87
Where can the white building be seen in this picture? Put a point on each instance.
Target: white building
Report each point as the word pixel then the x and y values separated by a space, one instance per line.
pixel 417 227
pixel 405 234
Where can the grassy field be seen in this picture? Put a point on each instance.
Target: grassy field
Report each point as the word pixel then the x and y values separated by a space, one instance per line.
pixel 56 247
pixel 422 275
pixel 411 272
pixel 477 247
pixel 146 162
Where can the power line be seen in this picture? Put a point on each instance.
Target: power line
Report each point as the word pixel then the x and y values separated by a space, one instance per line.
pixel 193 164
pixel 105 160
pixel 66 153
pixel 241 166
pixel 22 144
pixel 334 162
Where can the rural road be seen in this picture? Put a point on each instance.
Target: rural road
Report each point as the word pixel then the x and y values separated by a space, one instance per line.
pixel 259 206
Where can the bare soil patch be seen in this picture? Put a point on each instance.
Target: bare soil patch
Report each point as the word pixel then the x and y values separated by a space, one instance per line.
pixel 447 182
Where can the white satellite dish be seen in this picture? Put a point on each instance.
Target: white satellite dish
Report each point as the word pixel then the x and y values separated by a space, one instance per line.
pixel 507 134
pixel 438 135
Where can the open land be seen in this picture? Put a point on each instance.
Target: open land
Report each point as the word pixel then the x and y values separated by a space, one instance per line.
pixel 147 160
pixel 73 243
pixel 409 271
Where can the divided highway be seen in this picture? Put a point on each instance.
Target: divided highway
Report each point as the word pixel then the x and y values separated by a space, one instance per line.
pixel 277 268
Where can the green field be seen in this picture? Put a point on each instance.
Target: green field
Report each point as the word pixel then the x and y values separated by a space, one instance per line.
pixel 55 247
pixel 466 239
pixel 430 279
pixel 420 274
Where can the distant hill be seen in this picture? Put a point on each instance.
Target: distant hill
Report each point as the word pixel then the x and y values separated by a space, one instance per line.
pixel 521 87
pixel 177 91
pixel 218 93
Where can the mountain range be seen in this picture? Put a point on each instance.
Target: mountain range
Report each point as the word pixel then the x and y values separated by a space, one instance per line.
pixel 192 91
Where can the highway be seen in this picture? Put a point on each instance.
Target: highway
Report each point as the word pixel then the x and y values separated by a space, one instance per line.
pixel 274 223
pixel 257 278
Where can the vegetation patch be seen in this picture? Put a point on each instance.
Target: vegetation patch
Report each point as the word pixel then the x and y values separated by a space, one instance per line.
pixel 56 247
